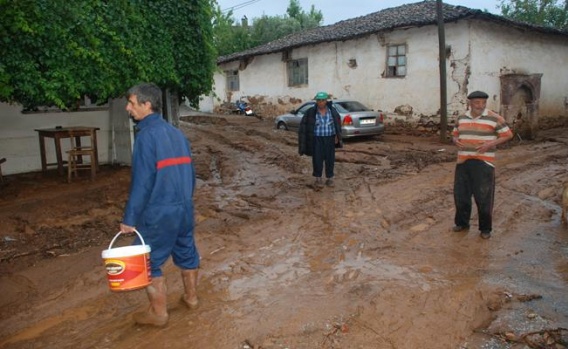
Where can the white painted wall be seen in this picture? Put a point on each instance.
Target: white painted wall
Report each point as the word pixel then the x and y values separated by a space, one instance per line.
pixel 329 71
pixel 480 53
pixel 19 143
pixel 502 49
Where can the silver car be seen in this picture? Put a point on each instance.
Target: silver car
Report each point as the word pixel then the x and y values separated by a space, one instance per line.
pixel 356 119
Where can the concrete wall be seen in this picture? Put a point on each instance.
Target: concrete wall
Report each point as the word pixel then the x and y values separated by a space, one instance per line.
pixel 479 52
pixel 19 142
pixel 329 69
pixel 501 50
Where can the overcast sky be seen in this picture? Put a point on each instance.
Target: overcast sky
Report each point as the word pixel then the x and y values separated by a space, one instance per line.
pixel 335 10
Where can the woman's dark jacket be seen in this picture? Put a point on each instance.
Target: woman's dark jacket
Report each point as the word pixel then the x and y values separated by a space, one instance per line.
pixel 306 131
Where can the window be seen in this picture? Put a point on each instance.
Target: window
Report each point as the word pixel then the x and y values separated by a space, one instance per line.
pixel 298 72
pixel 351 106
pixel 396 60
pixel 232 80
pixel 303 109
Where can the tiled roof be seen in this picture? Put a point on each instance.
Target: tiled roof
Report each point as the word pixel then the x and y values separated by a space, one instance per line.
pixel 411 15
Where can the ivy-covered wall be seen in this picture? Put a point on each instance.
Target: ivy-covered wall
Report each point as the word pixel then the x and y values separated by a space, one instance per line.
pixel 55 52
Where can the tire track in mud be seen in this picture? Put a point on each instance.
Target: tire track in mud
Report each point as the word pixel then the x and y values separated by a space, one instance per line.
pixel 236 140
pixel 284 266
pixel 530 247
pixel 345 240
pixel 467 279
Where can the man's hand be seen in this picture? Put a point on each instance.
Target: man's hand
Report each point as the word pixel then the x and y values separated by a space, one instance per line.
pixel 493 144
pixel 457 142
pixel 485 147
pixel 126 228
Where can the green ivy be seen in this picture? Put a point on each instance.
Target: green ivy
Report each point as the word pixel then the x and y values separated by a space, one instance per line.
pixel 54 52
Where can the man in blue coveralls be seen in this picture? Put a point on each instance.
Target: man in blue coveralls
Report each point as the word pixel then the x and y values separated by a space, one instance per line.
pixel 160 205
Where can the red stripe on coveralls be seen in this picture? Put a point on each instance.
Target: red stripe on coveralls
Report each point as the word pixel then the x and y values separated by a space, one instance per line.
pixel 173 162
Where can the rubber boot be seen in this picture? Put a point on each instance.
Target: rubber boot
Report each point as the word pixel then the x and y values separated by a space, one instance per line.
pixel 189 277
pixel 157 313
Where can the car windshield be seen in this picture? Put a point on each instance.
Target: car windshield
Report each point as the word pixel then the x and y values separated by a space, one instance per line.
pixel 351 106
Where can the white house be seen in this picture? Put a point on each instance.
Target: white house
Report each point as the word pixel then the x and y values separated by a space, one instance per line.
pixel 389 59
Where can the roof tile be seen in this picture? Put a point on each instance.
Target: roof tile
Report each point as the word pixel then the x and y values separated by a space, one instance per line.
pixel 410 15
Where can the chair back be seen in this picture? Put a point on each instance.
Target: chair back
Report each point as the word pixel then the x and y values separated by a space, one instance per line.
pixel 78 151
pixel 78 137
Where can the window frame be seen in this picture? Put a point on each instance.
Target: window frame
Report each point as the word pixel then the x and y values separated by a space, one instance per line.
pixel 400 67
pixel 297 71
pixel 232 77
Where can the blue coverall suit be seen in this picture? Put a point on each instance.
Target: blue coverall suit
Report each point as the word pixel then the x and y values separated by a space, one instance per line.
pixel 160 205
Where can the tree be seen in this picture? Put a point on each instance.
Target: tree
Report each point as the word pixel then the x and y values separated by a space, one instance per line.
pixel 54 52
pixel 228 37
pixel 308 20
pixel 231 37
pixel 550 13
pixel 270 28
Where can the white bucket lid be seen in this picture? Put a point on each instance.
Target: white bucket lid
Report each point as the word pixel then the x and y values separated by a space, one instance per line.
pixel 126 251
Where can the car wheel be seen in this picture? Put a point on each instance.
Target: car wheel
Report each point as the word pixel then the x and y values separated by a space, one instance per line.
pixel 281 126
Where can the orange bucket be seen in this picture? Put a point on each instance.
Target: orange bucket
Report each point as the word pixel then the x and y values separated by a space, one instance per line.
pixel 128 267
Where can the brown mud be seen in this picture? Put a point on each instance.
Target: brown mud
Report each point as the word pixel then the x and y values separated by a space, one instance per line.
pixel 370 263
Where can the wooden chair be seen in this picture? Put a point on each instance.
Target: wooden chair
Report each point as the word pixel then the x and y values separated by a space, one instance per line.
pixel 77 153
pixel 3 160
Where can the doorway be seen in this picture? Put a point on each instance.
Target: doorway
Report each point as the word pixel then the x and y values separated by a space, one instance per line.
pixel 520 94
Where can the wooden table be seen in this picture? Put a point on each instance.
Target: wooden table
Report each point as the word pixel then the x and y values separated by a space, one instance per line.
pixel 57 134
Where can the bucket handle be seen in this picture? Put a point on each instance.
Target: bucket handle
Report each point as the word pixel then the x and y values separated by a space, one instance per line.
pixel 117 235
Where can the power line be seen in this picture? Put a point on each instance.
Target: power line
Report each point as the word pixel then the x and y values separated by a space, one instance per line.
pixel 241 5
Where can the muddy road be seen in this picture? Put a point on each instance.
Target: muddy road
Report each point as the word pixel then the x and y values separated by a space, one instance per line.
pixel 370 263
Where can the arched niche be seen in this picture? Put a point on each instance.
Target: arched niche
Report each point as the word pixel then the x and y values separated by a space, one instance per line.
pixel 520 94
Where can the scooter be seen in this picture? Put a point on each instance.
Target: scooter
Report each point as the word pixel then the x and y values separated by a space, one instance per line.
pixel 243 108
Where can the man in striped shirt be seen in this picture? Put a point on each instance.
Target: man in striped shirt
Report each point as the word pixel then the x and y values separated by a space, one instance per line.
pixel 477 134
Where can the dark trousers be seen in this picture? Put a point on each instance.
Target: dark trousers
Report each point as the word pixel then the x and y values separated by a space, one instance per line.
pixel 477 178
pixel 324 151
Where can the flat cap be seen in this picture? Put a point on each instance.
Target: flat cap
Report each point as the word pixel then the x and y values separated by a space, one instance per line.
pixel 477 94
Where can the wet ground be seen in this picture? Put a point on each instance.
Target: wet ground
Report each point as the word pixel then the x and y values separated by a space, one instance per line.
pixel 370 263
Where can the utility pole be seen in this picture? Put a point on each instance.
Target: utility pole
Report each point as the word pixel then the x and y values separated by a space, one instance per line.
pixel 443 79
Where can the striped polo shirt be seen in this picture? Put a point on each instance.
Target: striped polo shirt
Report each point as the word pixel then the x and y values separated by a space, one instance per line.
pixel 472 132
